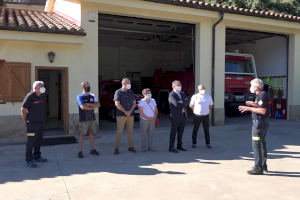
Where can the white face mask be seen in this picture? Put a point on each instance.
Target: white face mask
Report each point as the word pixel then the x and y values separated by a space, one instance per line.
pixel 128 86
pixel 42 89
pixel 178 88
pixel 252 90
pixel 202 92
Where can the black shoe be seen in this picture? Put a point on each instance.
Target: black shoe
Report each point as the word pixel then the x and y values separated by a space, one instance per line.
pixel 40 159
pixel 131 149
pixel 194 146
pixel 80 154
pixel 94 152
pixel 265 169
pixel 173 150
pixel 208 146
pixel 255 171
pixel 31 164
pixel 116 152
pixel 181 148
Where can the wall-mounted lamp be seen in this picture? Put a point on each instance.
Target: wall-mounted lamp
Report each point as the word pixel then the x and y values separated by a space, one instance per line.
pixel 51 56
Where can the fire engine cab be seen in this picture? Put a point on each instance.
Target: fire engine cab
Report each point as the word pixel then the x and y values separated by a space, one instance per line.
pixel 240 69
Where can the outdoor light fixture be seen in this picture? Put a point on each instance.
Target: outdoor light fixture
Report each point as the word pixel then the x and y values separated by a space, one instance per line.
pixel 51 56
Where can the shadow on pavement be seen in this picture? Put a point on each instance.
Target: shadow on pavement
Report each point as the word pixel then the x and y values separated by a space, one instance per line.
pixel 284 174
pixel 230 142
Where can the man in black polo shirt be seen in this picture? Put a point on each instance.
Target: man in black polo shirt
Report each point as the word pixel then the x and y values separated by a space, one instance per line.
pixel 260 109
pixel 33 114
pixel 125 103
pixel 87 102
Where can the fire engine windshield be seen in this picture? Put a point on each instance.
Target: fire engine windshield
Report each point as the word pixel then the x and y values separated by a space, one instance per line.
pixel 238 66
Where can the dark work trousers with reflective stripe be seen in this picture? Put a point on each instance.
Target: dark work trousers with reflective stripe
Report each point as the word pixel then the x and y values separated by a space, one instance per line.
pixel 198 119
pixel 34 141
pixel 259 132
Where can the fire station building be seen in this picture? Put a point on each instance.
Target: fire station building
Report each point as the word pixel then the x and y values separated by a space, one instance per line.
pixel 65 42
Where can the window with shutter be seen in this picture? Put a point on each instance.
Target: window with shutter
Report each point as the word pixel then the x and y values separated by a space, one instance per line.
pixel 15 81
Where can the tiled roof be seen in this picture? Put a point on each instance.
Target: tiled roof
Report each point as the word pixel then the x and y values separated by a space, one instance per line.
pixel 37 21
pixel 228 9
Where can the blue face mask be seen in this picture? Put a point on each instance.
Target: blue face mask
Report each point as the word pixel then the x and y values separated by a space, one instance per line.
pixel 149 96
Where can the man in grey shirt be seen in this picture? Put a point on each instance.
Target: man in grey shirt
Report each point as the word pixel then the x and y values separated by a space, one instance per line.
pixel 125 103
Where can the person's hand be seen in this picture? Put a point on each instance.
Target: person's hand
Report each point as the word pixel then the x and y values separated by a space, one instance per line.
pixel 180 101
pixel 88 104
pixel 127 113
pixel 249 103
pixel 151 119
pixel 244 108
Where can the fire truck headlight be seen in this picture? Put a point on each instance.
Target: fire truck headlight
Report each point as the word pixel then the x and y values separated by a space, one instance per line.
pixel 226 97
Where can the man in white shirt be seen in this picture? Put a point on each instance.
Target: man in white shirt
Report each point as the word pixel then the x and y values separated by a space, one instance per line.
pixel 201 104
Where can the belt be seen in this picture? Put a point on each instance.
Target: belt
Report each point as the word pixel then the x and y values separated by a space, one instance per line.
pixel 200 115
pixel 258 121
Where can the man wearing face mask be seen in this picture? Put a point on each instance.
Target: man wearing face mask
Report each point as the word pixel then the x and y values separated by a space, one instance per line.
pixel 178 114
pixel 125 102
pixel 87 102
pixel 260 109
pixel 201 104
pixel 33 114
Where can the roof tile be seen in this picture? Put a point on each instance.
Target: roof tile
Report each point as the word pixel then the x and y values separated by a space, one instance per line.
pixel 33 20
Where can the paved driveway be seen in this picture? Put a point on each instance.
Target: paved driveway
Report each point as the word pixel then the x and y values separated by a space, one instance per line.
pixel 218 173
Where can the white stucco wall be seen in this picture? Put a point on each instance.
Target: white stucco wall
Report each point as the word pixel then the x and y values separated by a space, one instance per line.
pixel 67 55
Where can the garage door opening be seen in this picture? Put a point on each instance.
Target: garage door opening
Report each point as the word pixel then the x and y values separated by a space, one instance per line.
pixel 151 53
pixel 253 54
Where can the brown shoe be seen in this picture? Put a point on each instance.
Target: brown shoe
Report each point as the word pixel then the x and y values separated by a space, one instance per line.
pixel 116 151
pixel 151 149
pixel 131 149
pixel 144 150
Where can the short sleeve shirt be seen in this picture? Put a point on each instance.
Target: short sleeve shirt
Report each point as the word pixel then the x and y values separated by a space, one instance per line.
pixel 86 115
pixel 201 103
pixel 126 100
pixel 262 100
pixel 35 107
pixel 148 109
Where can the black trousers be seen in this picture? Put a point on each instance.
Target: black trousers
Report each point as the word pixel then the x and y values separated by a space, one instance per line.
pixel 259 132
pixel 204 119
pixel 178 125
pixel 35 133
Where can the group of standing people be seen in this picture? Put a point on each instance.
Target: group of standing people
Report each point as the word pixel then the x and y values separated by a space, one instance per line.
pixel 125 102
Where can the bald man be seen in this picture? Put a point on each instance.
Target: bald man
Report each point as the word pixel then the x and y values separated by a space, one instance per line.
pixel 201 104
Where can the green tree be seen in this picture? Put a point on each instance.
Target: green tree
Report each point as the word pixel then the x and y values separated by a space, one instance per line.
pixel 1 2
pixel 290 7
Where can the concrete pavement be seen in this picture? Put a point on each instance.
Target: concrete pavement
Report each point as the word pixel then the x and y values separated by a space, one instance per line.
pixel 218 173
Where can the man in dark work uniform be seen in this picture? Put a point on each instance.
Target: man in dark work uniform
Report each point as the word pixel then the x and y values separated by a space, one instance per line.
pixel 261 110
pixel 33 114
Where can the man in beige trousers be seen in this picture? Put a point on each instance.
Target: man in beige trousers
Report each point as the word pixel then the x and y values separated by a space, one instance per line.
pixel 125 104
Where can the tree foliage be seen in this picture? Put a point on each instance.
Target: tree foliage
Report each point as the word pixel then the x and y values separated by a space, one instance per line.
pixel 1 2
pixel 290 7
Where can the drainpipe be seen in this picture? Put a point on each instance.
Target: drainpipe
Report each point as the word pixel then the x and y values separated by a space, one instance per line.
pixel 213 64
pixel 287 76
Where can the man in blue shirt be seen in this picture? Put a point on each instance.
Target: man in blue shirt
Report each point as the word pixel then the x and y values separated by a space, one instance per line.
pixel 87 102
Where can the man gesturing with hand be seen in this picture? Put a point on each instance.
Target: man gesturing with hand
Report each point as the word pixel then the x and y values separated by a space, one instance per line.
pixel 260 109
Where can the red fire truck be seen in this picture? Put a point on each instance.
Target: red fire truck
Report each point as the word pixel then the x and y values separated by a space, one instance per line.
pixel 240 69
